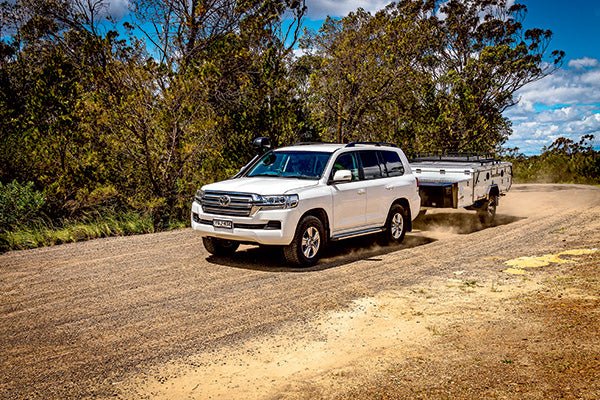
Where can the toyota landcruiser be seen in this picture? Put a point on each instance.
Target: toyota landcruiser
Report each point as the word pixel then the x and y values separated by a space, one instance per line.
pixel 303 196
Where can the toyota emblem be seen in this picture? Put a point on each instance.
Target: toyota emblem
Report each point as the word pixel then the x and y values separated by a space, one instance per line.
pixel 224 200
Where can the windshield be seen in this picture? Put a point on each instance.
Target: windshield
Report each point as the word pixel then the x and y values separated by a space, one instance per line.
pixel 291 164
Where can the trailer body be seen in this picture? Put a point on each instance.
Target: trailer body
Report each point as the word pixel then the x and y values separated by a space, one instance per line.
pixel 470 182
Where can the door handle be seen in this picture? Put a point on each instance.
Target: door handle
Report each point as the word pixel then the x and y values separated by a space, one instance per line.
pixel 361 191
pixel 389 187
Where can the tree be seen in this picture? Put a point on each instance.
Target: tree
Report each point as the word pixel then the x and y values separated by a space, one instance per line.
pixel 484 57
pixel 51 60
pixel 362 69
pixel 434 74
pixel 97 119
pixel 217 77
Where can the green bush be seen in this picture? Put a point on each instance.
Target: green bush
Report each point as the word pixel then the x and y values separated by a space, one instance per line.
pixel 564 161
pixel 19 205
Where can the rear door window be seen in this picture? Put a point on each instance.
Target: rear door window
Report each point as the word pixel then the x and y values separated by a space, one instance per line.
pixel 393 164
pixel 370 164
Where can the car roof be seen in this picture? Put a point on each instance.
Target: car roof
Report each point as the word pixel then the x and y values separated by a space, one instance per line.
pixel 330 147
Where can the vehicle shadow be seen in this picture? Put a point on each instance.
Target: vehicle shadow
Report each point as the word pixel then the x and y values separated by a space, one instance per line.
pixel 366 248
pixel 339 253
pixel 461 223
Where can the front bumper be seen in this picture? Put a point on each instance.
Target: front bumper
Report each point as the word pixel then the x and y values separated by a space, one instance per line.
pixel 269 227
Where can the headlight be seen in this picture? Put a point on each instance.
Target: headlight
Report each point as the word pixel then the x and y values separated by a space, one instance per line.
pixel 199 195
pixel 280 201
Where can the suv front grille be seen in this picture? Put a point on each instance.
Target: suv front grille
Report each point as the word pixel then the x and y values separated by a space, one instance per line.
pixel 225 203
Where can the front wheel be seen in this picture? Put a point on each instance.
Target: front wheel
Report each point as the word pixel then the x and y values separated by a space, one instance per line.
pixel 308 241
pixel 396 224
pixel 220 247
pixel 487 212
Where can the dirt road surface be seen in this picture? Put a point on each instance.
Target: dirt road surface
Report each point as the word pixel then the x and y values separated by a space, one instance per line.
pixel 457 311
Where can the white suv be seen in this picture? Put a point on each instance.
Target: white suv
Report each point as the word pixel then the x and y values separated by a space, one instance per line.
pixel 302 196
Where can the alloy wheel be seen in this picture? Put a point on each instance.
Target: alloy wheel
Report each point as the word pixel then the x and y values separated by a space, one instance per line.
pixel 311 241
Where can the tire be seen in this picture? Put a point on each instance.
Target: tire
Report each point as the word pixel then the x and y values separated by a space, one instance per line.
pixel 487 212
pixel 395 225
pixel 307 244
pixel 220 247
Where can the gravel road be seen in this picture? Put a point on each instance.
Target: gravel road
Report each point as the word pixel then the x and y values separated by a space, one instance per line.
pixel 78 320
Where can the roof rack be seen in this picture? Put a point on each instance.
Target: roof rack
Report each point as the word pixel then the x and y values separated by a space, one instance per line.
pixel 307 143
pixel 454 157
pixel 353 144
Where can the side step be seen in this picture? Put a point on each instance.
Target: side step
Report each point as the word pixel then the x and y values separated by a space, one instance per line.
pixel 352 234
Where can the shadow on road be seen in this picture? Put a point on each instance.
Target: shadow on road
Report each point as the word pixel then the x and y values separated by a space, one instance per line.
pixel 337 253
pixel 364 248
pixel 461 223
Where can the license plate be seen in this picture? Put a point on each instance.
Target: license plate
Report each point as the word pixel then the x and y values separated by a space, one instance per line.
pixel 222 223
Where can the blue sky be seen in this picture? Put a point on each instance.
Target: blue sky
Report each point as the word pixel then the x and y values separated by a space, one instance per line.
pixel 566 103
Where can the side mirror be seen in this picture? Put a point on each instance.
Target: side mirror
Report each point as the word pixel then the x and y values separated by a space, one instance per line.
pixel 343 175
pixel 261 144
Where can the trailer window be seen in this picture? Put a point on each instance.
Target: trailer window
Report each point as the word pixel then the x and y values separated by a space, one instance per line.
pixel 370 165
pixel 393 164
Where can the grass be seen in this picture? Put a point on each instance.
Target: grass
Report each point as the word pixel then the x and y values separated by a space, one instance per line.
pixel 43 234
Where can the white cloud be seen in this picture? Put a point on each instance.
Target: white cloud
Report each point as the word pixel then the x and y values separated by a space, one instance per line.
pixel 319 9
pixel 117 9
pixel 566 104
pixel 584 62
pixel 591 78
pixel 542 128
pixel 564 87
pixel 298 52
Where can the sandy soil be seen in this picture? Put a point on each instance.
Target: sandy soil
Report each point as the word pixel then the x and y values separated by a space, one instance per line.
pixel 458 311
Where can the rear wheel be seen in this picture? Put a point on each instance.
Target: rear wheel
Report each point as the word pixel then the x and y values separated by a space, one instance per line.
pixel 487 212
pixel 396 224
pixel 308 241
pixel 220 247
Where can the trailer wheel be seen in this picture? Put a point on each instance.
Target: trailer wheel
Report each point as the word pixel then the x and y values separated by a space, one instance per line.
pixel 487 212
pixel 395 226
pixel 219 247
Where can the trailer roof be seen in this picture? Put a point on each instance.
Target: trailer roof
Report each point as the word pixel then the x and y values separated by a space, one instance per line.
pixel 480 158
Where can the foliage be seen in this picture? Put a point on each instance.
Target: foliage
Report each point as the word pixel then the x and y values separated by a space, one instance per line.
pixel 19 205
pixel 564 161
pixel 99 123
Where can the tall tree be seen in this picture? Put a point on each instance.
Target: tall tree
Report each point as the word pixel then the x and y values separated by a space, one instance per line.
pixel 434 74
pixel 485 55
pixel 50 58
pixel 363 68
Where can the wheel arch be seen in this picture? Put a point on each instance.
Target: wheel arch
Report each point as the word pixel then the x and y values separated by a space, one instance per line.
pixel 322 215
pixel 494 191
pixel 406 205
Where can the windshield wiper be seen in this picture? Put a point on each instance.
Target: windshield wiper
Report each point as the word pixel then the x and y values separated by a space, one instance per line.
pixel 311 177
pixel 263 174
